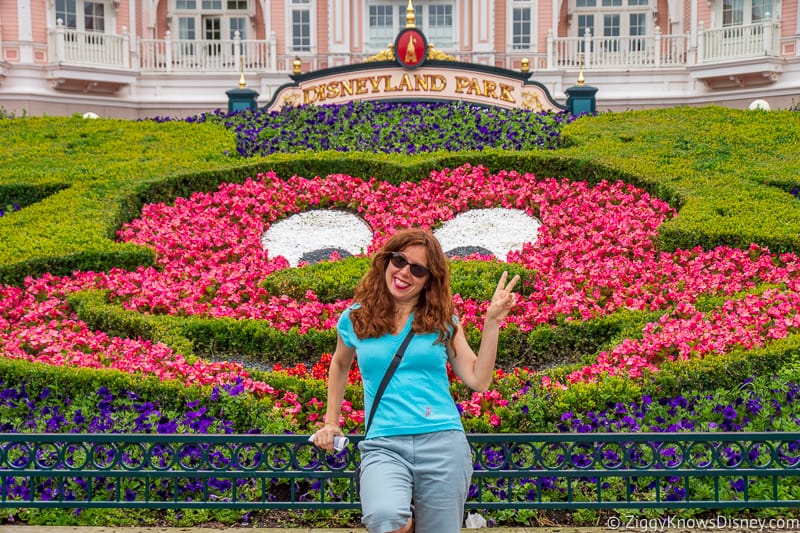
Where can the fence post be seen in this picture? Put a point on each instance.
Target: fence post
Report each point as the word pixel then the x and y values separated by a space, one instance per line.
pixel 550 50
pixel 701 43
pixel 587 48
pixel 237 46
pixel 658 47
pixel 168 50
pixel 60 41
pixel 766 27
pixel 126 41
pixel 273 53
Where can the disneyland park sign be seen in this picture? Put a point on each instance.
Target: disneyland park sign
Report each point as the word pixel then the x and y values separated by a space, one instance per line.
pixel 411 71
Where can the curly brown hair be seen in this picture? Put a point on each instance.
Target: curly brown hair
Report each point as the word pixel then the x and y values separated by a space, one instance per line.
pixel 434 311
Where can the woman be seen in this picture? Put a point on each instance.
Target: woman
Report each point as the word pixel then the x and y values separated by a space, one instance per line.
pixel 415 449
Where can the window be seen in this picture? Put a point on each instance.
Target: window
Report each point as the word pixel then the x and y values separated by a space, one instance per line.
pixel 186 29
pixel 301 31
pixel 380 24
pixel 585 22
pixel 611 29
pixel 212 31
pixel 638 30
pixel 761 10
pixel 238 24
pixel 615 19
pixel 94 17
pixel 186 32
pixel 385 18
pixel 521 25
pixel 211 20
pixel 82 15
pixel 733 12
pixel 739 12
pixel 300 25
pixel 440 25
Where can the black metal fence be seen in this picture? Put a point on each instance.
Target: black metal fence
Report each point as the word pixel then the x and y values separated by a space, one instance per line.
pixel 512 471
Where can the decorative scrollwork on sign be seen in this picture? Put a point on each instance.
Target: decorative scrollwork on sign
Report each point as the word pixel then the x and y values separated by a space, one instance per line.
pixel 531 100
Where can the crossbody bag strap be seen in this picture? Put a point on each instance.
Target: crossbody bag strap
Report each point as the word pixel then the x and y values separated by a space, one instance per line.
pixel 386 377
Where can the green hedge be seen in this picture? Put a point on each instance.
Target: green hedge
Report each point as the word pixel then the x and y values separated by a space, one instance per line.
pixel 254 341
pixel 81 179
pixel 337 280
pixel 728 172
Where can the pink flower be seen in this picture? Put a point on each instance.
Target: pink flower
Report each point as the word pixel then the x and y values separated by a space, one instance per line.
pixel 594 256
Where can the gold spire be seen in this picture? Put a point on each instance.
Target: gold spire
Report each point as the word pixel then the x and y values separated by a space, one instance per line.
pixel 242 81
pixel 410 16
pixel 580 70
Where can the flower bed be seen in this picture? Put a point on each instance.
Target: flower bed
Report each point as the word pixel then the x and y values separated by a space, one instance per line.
pixel 593 268
pixel 593 256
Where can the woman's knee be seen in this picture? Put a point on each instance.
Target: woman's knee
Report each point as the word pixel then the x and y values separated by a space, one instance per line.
pixel 385 518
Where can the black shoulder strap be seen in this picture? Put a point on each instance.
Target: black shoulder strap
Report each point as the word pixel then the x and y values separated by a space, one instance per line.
pixel 386 377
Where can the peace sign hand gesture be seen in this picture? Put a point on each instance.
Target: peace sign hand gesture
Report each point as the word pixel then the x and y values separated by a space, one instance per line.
pixel 503 299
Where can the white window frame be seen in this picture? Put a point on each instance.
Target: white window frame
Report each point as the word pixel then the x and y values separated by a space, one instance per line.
pixel 80 18
pixel 602 8
pixel 747 13
pixel 389 11
pixel 532 8
pixel 421 14
pixel 431 35
pixel 198 13
pixel 301 5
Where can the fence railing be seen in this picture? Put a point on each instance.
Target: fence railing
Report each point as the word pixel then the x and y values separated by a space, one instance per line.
pixel 88 47
pixel 646 51
pixel 222 55
pixel 742 42
pixel 590 51
pixel 512 471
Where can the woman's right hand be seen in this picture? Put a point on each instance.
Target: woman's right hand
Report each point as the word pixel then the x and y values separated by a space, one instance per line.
pixel 323 438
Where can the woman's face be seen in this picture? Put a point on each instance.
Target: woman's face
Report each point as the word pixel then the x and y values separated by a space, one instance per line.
pixel 402 283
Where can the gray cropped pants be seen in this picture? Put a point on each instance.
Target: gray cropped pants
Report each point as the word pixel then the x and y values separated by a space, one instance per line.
pixel 433 469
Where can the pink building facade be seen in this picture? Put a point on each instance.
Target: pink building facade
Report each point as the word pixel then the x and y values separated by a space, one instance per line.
pixel 145 58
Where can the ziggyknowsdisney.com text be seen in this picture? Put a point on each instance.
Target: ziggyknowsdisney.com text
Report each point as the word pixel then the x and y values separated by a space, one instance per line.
pixel 718 523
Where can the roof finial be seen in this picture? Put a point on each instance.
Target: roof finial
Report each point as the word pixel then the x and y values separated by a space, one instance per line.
pixel 410 16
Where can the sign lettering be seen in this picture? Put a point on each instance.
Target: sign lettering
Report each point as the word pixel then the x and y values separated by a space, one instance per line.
pixel 424 83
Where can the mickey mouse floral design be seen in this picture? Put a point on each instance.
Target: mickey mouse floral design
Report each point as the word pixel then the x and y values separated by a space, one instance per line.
pixel 593 255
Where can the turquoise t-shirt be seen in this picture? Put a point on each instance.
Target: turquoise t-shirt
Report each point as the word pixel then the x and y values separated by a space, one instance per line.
pixel 417 398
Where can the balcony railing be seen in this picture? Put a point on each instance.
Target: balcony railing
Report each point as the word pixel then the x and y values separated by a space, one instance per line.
pixel 591 52
pixel 739 42
pixel 89 48
pixel 223 55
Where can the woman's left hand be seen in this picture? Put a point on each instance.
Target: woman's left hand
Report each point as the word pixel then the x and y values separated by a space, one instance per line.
pixel 502 299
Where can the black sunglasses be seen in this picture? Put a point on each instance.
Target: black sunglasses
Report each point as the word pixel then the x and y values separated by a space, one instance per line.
pixel 417 270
